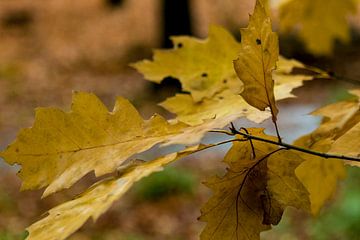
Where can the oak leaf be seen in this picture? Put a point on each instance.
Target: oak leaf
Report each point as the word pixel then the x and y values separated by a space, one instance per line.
pixel 320 176
pixel 290 74
pixel 204 67
pixel 338 118
pixel 221 105
pixel 68 217
pixel 319 22
pixel 257 57
pixel 62 147
pixel 227 103
pixel 335 134
pixel 348 144
pixel 254 192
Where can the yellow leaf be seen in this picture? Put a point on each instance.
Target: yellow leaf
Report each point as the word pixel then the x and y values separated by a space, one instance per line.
pixel 68 217
pixel 227 103
pixel 339 117
pixel 336 134
pixel 204 67
pixel 259 52
pixel 253 193
pixel 320 176
pixel 62 147
pixel 348 144
pixel 286 80
pixel 221 105
pixel 320 22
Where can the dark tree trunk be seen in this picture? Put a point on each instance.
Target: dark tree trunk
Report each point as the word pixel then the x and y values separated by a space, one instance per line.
pixel 176 20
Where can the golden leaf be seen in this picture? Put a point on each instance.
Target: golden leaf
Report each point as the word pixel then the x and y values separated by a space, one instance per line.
pixel 68 217
pixel 204 67
pixel 254 192
pixel 233 106
pixel 62 147
pixel 221 105
pixel 259 52
pixel 319 175
pixel 320 22
pixel 348 144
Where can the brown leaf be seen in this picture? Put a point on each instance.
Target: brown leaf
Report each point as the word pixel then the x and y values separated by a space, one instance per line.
pixel 254 192
pixel 259 52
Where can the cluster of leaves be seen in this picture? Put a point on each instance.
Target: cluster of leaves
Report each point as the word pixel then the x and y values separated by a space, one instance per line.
pixel 319 23
pixel 264 175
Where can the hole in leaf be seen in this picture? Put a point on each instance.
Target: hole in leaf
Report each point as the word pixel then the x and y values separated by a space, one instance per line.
pixel 204 75
pixel 180 45
pixel 258 41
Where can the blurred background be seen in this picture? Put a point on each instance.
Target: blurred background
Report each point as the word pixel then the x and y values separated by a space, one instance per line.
pixel 49 48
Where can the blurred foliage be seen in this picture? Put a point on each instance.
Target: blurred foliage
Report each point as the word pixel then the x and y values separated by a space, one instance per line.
pixel 340 220
pixel 169 182
pixel 4 235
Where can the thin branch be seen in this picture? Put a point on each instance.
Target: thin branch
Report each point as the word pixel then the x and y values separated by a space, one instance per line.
pixel 343 78
pixel 223 131
pixel 251 142
pixel 284 145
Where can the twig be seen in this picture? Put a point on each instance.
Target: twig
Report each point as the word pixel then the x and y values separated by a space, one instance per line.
pixel 251 142
pixel 284 145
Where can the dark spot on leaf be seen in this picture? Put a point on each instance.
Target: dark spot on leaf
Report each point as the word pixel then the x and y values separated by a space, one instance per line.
pixel 221 98
pixel 225 81
pixel 17 150
pixel 244 110
pixel 204 75
pixel 258 41
pixel 179 45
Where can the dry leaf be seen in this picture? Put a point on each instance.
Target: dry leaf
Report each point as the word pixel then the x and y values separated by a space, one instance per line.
pixel 68 217
pixel 204 67
pixel 254 192
pixel 259 52
pixel 62 147
pixel 320 22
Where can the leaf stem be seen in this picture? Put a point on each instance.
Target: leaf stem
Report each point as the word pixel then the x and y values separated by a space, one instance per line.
pixel 277 131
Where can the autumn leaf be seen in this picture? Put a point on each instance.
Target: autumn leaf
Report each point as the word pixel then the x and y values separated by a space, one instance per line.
pixel 291 74
pixel 66 218
pixel 221 105
pixel 320 22
pixel 204 67
pixel 348 144
pixel 254 192
pixel 227 103
pixel 335 134
pixel 349 128
pixel 62 147
pixel 320 176
pixel 259 52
